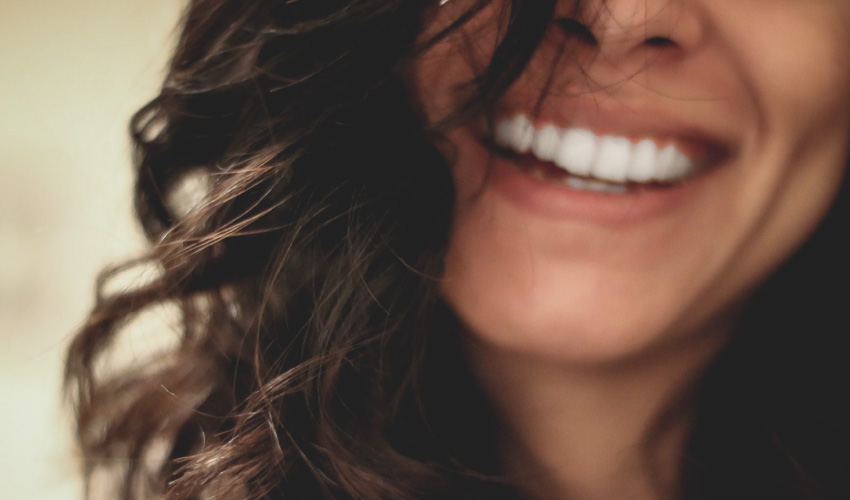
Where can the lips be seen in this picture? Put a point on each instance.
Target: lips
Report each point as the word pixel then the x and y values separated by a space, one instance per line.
pixel 611 158
pixel 608 165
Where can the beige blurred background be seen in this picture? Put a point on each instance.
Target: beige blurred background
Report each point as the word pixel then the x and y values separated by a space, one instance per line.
pixel 71 73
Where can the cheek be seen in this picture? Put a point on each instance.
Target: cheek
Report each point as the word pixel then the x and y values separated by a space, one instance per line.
pixel 801 83
pixel 799 86
pixel 799 80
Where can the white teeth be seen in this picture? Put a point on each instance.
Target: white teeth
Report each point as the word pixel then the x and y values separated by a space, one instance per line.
pixel 524 133
pixel 607 158
pixel 546 142
pixel 682 166
pixel 664 163
pixel 577 151
pixel 613 159
pixel 517 134
pixel 643 161
pixel 592 185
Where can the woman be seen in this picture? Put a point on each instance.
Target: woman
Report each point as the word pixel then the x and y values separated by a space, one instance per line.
pixel 488 249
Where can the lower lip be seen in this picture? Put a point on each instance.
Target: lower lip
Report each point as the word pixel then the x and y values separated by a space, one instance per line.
pixel 550 199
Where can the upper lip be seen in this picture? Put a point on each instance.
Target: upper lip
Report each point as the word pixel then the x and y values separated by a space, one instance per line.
pixel 633 120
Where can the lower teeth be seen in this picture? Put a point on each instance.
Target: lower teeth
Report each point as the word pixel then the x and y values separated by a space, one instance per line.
pixel 594 185
pixel 581 184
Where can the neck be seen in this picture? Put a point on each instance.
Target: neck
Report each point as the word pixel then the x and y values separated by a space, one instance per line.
pixel 592 432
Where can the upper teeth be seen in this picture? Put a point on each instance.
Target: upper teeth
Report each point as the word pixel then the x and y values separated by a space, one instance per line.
pixel 607 157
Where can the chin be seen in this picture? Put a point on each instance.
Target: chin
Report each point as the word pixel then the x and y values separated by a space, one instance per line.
pixel 562 325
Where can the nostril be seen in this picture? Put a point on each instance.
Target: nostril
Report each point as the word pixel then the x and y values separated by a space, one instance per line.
pixel 659 41
pixel 573 28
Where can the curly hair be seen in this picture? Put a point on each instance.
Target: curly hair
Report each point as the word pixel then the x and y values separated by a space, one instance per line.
pixel 304 276
pixel 315 357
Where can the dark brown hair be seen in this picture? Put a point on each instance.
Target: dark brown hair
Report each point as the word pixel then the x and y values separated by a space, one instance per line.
pixel 315 359
pixel 304 276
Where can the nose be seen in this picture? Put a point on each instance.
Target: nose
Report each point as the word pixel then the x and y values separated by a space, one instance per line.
pixel 625 34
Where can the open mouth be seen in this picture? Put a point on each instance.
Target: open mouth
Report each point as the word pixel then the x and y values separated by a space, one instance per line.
pixel 583 160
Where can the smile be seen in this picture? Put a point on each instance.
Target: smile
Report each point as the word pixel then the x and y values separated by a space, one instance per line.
pixel 607 165
pixel 582 159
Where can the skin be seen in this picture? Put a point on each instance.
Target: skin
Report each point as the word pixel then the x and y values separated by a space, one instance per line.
pixel 622 315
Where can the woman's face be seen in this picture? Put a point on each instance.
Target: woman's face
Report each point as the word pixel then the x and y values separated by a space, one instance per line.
pixel 721 128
